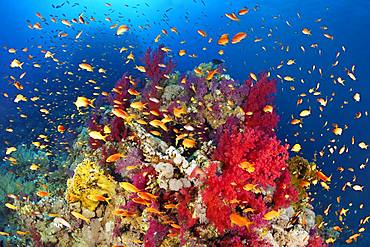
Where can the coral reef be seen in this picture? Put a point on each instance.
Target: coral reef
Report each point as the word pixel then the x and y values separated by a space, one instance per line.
pixel 190 159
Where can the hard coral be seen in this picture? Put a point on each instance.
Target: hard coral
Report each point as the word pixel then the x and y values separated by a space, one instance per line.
pixel 89 180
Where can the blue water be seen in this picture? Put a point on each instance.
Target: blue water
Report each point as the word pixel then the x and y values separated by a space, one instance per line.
pixel 347 21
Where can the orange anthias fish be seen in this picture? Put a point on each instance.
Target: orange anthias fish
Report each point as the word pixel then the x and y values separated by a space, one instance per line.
pixel 247 166
pixel 61 129
pixel 99 198
pixel 129 187
pixel 240 220
pixel 177 112
pixel 146 196
pixel 83 102
pixel 238 37
pixel 211 74
pixel 80 216
pixel 271 215
pixel 232 16
pixel 114 157
pixel 132 91
pixel 86 66
pixel 138 105
pixel 123 212
pixel 323 177
pixel 202 33
pixel 141 201
pixel 188 143
pixel 122 29
pixel 120 113
pixel 243 11
pixel 224 39
pixel 42 193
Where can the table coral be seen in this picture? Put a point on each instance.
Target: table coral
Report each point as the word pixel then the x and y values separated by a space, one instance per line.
pixel 89 180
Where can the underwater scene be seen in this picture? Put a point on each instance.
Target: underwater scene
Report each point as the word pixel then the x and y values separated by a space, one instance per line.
pixel 128 123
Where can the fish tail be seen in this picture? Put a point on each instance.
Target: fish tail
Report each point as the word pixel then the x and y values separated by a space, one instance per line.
pixel 92 103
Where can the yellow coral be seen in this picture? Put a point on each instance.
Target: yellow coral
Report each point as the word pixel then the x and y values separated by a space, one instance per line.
pixel 89 181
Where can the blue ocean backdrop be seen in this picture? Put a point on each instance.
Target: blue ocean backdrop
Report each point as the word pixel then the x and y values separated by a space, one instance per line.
pixel 278 23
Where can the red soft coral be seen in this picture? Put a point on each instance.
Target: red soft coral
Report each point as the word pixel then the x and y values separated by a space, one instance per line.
pixel 152 64
pixel 255 146
pixel 260 94
pixel 185 218
pixel 285 193
pixel 118 129
pixel 94 125
pixel 222 190
pixel 120 93
pixel 120 99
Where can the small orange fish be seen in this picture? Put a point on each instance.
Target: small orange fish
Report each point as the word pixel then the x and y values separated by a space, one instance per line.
pixel 86 66
pixel 120 113
pixel 268 109
pixel 224 39
pixel 141 201
pixel 114 157
pixel 123 212
pixel 122 29
pixel 153 210
pixel 61 129
pixel 202 33
pixel 240 220
pixel 238 37
pixel 182 53
pixel 247 166
pixel 322 176
pixel 188 143
pixel 42 193
pixel 83 102
pixel 132 91
pixel 129 187
pixel 99 198
pixel 232 16
pixel 177 112
pixel 243 11
pixel 271 215
pixel 80 216
pixel 138 105
pixel 328 36
pixel 67 23
pixel 211 74
pixel 170 206
pixel 146 196
pixel 306 31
